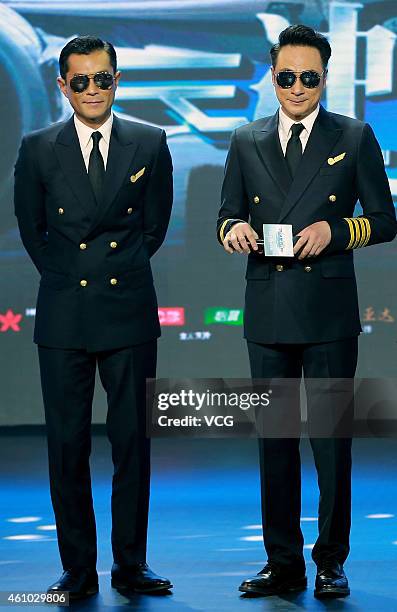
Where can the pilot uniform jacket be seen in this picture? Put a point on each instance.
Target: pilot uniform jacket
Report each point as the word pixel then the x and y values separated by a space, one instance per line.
pixel 313 300
pixel 96 289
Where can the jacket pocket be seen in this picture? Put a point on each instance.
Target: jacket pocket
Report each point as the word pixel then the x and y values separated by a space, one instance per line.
pixel 337 269
pixel 55 280
pixel 257 270
pixel 132 279
pixel 330 170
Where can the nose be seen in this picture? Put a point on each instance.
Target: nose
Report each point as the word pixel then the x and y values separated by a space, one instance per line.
pixel 297 88
pixel 92 89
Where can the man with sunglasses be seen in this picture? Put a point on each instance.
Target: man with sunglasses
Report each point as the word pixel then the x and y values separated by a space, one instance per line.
pixel 304 168
pixel 93 199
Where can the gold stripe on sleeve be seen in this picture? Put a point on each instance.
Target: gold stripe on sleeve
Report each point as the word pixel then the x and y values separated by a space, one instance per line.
pixel 352 233
pixel 363 232
pixel 358 232
pixel 222 229
pixel 367 223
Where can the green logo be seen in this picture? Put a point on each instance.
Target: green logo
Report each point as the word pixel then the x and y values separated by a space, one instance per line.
pixel 223 316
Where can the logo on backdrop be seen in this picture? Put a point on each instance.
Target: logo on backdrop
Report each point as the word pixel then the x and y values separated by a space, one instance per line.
pixel 171 316
pixel 9 321
pixel 193 336
pixel 223 316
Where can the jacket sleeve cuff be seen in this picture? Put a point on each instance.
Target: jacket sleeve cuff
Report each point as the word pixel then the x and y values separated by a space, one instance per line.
pixel 350 233
pixel 226 226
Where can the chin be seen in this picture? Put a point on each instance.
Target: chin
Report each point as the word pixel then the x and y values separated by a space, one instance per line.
pixel 94 117
pixel 298 112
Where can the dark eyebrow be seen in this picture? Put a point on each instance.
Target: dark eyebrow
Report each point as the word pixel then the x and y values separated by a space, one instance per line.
pixel 292 70
pixel 89 73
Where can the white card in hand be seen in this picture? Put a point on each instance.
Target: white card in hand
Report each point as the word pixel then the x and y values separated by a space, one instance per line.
pixel 277 238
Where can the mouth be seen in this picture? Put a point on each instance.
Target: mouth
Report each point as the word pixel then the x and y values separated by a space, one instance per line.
pixel 297 102
pixel 94 103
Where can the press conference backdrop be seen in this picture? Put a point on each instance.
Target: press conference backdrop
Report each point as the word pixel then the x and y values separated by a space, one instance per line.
pixel 198 69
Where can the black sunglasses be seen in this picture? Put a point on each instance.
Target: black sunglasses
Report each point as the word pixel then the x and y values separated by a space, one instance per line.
pixel 309 78
pixel 80 82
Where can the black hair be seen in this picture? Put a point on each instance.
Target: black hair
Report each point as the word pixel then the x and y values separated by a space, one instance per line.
pixel 84 45
pixel 302 36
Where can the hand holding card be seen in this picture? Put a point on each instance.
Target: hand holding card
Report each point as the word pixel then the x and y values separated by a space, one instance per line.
pixel 278 241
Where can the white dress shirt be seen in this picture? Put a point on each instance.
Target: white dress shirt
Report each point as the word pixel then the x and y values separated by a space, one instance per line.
pixel 285 124
pixel 84 135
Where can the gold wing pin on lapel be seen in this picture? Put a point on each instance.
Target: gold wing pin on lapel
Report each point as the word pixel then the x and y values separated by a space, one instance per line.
pixel 335 160
pixel 135 177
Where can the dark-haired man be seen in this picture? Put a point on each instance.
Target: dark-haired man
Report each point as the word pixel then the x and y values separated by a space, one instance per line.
pixel 304 168
pixel 93 198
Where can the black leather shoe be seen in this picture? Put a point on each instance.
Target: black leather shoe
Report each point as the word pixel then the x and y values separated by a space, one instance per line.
pixel 139 578
pixel 79 582
pixel 331 581
pixel 275 579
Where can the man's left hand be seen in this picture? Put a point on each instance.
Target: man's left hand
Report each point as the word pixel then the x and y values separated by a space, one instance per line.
pixel 313 239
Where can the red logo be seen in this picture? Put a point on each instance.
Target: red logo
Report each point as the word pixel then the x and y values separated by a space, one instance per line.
pixel 9 320
pixel 172 316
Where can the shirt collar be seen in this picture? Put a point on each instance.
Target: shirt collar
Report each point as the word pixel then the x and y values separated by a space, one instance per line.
pixel 84 132
pixel 285 122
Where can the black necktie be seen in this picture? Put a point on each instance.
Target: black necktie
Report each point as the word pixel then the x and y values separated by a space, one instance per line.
pixel 293 154
pixel 96 167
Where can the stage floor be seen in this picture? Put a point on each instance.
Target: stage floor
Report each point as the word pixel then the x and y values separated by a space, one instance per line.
pixel 204 526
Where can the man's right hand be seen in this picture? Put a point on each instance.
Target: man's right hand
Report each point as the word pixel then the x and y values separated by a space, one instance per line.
pixel 239 239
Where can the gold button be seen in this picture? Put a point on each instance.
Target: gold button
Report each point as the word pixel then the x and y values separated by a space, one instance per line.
pixel 60 211
pixel 83 283
pixel 83 246
pixel 113 245
pixel 331 161
pixel 279 268
pixel 129 211
pixel 308 268
pixel 113 281
pixel 332 198
pixel 256 200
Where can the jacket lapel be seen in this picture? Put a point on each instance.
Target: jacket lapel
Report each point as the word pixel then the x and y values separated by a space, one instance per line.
pixel 68 152
pixel 269 149
pixel 322 139
pixel 122 149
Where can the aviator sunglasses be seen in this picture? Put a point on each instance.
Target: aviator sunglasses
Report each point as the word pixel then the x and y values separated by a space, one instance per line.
pixel 80 82
pixel 309 78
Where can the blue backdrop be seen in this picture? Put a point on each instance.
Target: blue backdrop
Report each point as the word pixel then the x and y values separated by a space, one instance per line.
pixel 198 70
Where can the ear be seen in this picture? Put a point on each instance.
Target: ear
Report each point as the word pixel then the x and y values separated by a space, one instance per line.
pixel 117 79
pixel 325 78
pixel 273 76
pixel 62 86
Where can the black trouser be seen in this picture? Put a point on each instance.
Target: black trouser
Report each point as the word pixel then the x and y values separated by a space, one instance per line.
pixel 280 458
pixel 68 378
